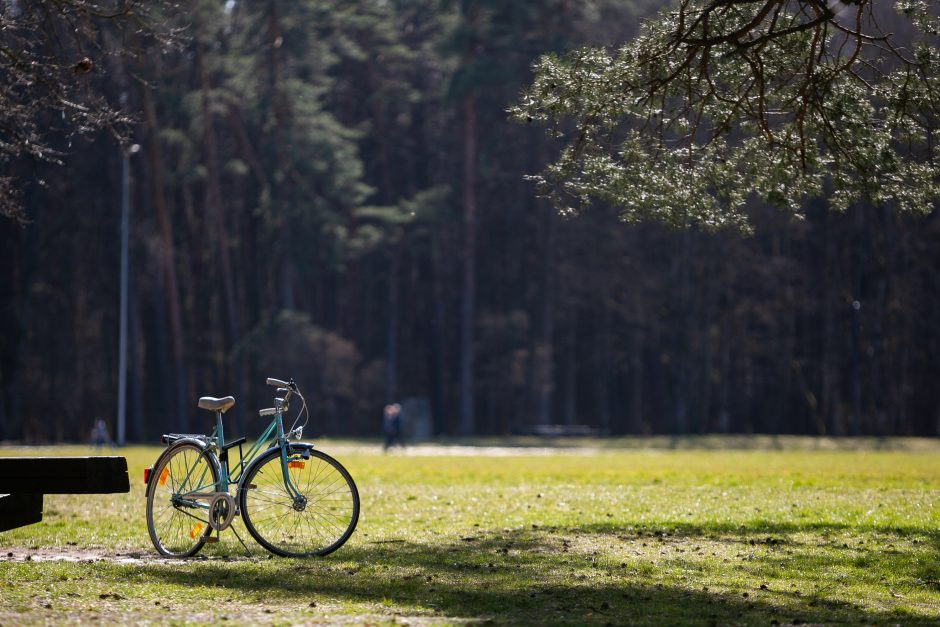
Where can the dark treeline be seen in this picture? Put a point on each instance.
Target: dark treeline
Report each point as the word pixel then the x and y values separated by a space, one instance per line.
pixel 330 190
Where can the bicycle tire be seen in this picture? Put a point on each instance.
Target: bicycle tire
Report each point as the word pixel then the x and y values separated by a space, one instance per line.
pixel 177 530
pixel 322 524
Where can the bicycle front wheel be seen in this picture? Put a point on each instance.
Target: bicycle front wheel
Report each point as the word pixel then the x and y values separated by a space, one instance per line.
pixel 178 521
pixel 316 521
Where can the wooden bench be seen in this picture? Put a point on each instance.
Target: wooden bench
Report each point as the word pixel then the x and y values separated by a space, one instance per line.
pixel 562 431
pixel 23 481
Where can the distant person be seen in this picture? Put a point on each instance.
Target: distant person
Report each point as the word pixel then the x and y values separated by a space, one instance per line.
pixel 392 426
pixel 99 433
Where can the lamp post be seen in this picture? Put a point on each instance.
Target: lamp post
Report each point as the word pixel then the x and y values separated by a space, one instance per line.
pixel 126 152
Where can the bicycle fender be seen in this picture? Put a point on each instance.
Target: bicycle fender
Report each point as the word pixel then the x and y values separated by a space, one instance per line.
pixel 292 447
pixel 299 447
pixel 197 442
pixel 295 447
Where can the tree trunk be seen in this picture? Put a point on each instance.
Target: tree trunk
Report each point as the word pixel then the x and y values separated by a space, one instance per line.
pixel 468 303
pixel 167 260
pixel 640 424
pixel 601 375
pixel 571 369
pixel 436 339
pixel 283 266
pixel 391 320
pixel 681 359
pixel 135 432
pixel 545 350
pixel 830 422
pixel 218 225
pixel 856 272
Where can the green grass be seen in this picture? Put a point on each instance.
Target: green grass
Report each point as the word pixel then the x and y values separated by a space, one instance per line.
pixel 767 532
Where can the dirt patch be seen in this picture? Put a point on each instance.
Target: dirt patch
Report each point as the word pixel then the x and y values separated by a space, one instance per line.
pixel 89 556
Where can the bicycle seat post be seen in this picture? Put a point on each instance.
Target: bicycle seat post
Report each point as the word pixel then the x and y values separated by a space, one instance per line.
pixel 219 436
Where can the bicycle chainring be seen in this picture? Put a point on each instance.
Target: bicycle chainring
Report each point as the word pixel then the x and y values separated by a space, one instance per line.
pixel 221 511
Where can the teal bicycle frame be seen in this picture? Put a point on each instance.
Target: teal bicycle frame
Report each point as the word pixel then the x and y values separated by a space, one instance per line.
pixel 277 425
pixel 227 478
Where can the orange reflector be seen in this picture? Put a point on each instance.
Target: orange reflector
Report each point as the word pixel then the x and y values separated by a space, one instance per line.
pixel 163 475
pixel 195 531
pixel 295 464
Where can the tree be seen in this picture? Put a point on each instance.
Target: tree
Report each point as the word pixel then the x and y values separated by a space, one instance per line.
pixel 320 146
pixel 720 99
pixel 51 59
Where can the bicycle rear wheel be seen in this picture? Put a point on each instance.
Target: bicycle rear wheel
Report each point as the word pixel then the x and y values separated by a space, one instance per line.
pixel 316 522
pixel 179 524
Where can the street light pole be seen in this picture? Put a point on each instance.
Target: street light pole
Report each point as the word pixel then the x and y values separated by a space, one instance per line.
pixel 126 152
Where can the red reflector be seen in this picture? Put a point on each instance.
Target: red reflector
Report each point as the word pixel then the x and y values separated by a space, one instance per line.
pixel 147 472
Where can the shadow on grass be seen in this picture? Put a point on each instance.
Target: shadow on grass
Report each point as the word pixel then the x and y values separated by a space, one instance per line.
pixel 531 576
pixel 910 555
pixel 750 528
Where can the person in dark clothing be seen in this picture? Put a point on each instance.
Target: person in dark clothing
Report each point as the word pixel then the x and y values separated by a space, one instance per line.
pixel 99 434
pixel 392 426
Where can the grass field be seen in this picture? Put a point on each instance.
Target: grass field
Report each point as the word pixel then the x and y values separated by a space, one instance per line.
pixel 658 532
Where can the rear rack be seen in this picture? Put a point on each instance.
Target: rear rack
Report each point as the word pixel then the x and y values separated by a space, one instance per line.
pixel 170 438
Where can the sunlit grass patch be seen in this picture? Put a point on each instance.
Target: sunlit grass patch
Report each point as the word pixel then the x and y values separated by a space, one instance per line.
pixel 685 535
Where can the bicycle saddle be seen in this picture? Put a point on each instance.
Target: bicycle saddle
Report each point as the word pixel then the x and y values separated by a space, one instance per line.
pixel 217 404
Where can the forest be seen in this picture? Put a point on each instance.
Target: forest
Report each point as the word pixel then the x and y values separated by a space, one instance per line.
pixel 333 191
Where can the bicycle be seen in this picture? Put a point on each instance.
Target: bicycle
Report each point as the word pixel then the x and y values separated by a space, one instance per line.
pixel 295 501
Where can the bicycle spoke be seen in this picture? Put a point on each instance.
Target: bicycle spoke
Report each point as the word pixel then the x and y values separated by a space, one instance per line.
pixel 179 529
pixel 317 524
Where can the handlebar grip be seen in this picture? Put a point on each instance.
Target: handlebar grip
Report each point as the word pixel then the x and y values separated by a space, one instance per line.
pixel 277 383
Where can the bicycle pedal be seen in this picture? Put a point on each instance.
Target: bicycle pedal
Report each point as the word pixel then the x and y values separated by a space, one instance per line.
pixel 212 539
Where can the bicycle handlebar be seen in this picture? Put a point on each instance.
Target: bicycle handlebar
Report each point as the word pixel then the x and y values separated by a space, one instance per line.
pixel 287 388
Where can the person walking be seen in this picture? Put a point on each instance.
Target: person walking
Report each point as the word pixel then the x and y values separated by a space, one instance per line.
pixel 392 426
pixel 99 434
